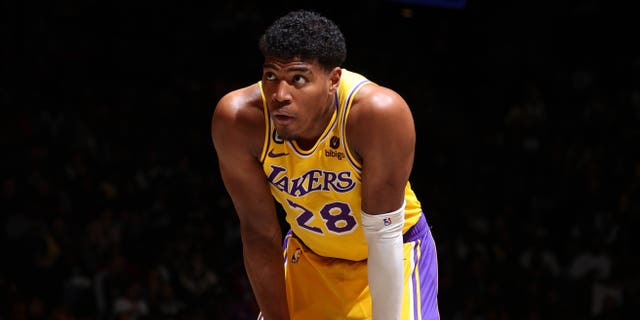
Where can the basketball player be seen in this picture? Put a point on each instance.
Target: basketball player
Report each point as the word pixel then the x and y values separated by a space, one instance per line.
pixel 336 151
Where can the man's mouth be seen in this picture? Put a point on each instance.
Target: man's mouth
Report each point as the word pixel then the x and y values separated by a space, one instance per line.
pixel 282 119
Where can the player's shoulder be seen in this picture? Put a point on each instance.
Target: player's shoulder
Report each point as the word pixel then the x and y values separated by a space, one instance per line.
pixel 240 112
pixel 242 99
pixel 376 110
pixel 238 119
pixel 374 99
pixel 240 106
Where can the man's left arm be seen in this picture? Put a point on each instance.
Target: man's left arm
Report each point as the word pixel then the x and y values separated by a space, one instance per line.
pixel 382 134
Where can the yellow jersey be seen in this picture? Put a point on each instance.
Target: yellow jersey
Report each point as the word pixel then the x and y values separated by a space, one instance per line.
pixel 320 188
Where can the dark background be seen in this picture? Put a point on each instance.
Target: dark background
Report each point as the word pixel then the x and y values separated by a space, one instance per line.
pixel 527 163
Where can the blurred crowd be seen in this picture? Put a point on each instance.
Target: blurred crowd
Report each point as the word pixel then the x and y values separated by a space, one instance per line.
pixel 527 163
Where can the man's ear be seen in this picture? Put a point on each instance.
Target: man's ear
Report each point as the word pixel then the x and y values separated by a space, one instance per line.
pixel 334 79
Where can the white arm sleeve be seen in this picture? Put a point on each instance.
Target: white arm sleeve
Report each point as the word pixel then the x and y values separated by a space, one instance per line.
pixel 385 264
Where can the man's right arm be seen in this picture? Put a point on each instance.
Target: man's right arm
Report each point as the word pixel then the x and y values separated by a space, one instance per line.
pixel 237 131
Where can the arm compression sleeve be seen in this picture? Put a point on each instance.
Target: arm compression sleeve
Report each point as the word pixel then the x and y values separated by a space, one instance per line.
pixel 383 233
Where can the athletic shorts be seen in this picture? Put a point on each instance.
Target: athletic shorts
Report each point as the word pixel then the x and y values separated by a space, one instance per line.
pixel 321 288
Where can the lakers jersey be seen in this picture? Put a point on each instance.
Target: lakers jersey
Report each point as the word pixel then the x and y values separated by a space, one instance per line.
pixel 320 188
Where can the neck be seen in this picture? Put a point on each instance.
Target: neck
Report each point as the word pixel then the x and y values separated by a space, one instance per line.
pixel 307 143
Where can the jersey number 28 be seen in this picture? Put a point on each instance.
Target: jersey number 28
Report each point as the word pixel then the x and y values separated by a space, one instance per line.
pixel 336 215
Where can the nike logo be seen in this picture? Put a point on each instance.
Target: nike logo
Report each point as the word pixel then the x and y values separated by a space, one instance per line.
pixel 272 154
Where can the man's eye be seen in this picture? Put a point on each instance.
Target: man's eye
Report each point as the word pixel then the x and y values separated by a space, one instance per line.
pixel 269 76
pixel 299 79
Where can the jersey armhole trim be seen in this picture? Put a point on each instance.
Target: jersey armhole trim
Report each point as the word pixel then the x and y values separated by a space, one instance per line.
pixel 345 116
pixel 267 126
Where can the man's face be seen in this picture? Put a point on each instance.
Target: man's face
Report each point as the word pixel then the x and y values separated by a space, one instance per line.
pixel 299 96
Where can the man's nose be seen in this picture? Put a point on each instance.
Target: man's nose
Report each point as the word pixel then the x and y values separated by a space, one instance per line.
pixel 282 93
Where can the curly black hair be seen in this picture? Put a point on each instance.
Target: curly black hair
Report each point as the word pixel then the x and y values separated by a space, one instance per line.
pixel 305 35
